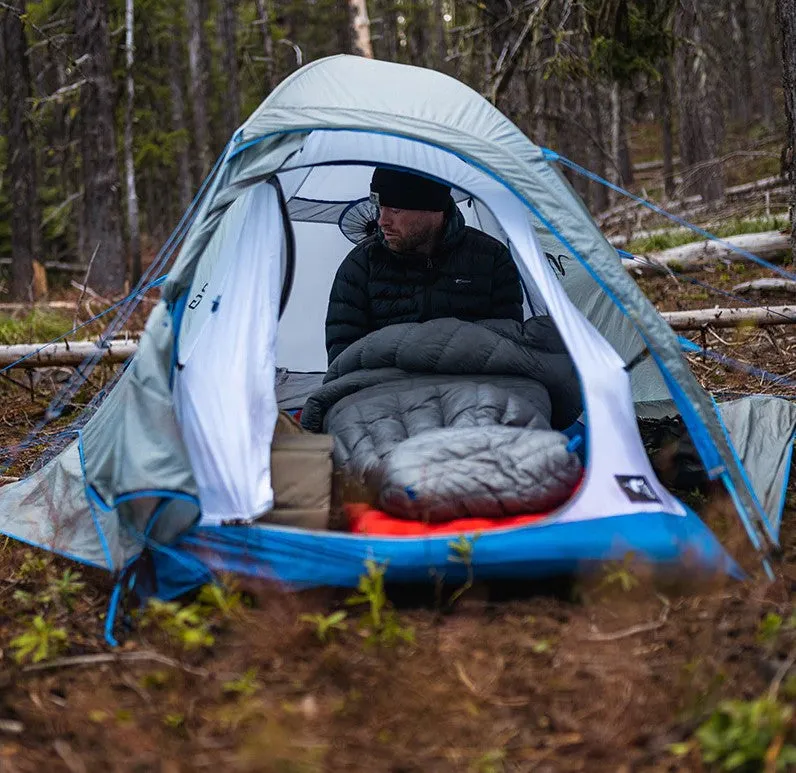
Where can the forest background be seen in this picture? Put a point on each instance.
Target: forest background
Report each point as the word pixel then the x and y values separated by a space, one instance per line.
pixel 112 111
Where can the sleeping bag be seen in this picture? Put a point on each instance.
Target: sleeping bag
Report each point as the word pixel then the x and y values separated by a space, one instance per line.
pixel 448 419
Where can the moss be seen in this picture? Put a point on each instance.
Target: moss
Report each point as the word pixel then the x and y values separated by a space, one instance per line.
pixel 36 325
pixel 677 238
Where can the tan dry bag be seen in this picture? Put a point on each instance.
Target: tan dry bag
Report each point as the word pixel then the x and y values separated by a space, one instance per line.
pixel 301 476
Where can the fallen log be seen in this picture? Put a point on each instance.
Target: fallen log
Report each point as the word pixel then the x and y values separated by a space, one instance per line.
pixel 10 307
pixel 757 316
pixel 766 184
pixel 63 354
pixel 55 265
pixel 769 245
pixel 766 286
pixel 647 166
pixel 620 240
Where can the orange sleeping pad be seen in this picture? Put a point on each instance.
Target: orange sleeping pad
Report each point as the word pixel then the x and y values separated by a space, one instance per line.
pixel 363 519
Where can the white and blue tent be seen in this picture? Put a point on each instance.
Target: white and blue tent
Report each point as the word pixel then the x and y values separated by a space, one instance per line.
pixel 181 444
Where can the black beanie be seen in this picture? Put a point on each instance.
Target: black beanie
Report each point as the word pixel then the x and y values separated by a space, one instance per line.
pixel 404 190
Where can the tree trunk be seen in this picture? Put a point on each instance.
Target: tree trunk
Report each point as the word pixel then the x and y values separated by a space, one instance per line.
pixel 360 22
pixel 389 30
pixel 666 126
pixel 440 38
pixel 537 86
pixel 701 118
pixel 416 33
pixel 786 14
pixel 741 94
pixel 761 41
pixel 625 160
pixel 98 149
pixel 264 17
pixel 133 228
pixel 343 22
pixel 184 183
pixel 597 147
pixel 227 38
pixel 197 67
pixel 21 160
pixel 615 175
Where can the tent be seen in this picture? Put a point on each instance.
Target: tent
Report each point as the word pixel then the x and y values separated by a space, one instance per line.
pixel 181 445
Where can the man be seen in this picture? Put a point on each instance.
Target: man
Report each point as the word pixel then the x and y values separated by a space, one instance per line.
pixel 423 263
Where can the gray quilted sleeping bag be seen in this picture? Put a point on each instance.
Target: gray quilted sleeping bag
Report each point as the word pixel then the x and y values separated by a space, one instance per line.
pixel 447 419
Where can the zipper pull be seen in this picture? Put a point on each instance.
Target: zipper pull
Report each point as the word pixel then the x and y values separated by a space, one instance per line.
pixel 429 264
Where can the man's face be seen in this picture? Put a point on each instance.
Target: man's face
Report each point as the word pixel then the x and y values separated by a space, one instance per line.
pixel 405 230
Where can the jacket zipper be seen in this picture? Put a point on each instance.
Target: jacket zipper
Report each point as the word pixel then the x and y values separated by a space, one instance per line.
pixel 427 291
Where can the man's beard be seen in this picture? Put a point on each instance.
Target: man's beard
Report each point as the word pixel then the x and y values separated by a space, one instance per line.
pixel 410 242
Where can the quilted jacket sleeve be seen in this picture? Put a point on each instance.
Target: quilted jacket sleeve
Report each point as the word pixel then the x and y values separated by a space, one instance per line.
pixel 348 315
pixel 506 288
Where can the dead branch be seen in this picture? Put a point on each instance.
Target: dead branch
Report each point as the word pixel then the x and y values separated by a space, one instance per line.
pixel 54 265
pixel 507 63
pixel 56 96
pixel 86 290
pixel 736 191
pixel 756 316
pixel 632 631
pixel 10 308
pixel 782 672
pixel 650 166
pixel 57 211
pixel 11 726
pixel 768 285
pixel 50 355
pixel 84 286
pixel 110 657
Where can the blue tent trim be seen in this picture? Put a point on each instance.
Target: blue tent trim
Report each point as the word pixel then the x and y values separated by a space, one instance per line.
pixel 785 482
pixel 304 559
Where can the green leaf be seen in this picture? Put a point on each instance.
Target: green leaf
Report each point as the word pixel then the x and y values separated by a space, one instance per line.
pixel 336 617
pixel 680 749
pixel 735 760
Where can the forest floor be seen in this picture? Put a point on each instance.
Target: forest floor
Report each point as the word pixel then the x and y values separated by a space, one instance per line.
pixel 612 673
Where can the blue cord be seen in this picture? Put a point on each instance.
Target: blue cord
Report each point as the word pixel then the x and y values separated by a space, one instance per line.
pixel 551 155
pixel 691 280
pixel 110 615
pixel 742 367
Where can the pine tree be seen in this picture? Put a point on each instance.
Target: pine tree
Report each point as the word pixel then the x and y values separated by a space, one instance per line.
pixel 25 226
pixel 786 13
pixel 100 172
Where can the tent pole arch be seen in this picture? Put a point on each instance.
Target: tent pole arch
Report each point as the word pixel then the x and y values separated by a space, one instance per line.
pixel 606 268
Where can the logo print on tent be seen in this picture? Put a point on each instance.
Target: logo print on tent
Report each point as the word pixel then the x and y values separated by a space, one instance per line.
pixel 557 263
pixel 636 488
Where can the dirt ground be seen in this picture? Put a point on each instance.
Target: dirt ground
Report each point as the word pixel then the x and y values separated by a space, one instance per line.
pixel 612 673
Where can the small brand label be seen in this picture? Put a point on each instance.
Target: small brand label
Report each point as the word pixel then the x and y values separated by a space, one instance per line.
pixel 636 488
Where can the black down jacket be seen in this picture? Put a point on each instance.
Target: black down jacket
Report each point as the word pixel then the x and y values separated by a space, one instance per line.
pixel 470 276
